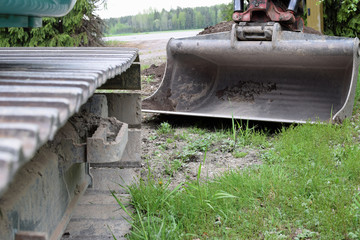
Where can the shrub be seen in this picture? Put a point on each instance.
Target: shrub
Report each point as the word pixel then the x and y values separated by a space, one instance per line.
pixel 341 18
pixel 80 27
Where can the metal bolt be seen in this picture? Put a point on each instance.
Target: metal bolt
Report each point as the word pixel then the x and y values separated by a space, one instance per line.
pixel 236 16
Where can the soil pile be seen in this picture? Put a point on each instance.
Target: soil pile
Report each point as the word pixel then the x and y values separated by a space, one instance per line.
pixel 151 78
pixel 154 70
pixel 220 27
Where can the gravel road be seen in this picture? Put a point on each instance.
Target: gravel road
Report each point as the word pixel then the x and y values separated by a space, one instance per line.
pixel 153 36
pixel 152 46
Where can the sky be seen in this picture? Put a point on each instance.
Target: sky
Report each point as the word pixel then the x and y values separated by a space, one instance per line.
pixel 120 8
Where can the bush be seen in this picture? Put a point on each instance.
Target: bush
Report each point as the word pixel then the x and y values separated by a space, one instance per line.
pixel 80 27
pixel 341 18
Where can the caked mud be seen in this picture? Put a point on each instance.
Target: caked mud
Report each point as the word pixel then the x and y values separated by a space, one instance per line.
pixel 245 91
pixel 86 124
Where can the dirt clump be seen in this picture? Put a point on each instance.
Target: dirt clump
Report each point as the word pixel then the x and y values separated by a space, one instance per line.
pixel 245 91
pixel 151 78
pixel 154 70
pixel 86 125
pixel 311 31
pixel 220 27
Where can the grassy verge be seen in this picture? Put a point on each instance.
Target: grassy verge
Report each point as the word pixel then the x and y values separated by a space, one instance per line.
pixel 140 33
pixel 308 187
pixel 114 43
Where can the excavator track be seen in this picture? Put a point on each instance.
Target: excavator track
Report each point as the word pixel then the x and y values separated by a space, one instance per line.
pixel 41 88
pixel 62 143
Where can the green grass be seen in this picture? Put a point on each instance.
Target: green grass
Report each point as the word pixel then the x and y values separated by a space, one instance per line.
pixel 144 66
pixel 165 128
pixel 308 187
pixel 357 97
pixel 148 79
pixel 114 43
pixel 240 154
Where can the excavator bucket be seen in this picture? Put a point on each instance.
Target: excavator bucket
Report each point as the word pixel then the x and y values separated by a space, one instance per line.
pixel 293 77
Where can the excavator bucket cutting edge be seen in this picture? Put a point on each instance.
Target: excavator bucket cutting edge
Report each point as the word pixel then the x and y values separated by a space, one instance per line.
pixel 295 77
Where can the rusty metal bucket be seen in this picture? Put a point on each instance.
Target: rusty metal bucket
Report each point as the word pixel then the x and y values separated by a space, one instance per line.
pixel 295 77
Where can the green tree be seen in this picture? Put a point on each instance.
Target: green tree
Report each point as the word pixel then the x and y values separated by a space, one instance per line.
pixel 81 27
pixel 182 20
pixel 174 21
pixel 342 17
pixel 156 25
pixel 199 19
pixel 164 22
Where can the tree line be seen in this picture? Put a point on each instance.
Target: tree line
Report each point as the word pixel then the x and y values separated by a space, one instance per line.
pixel 175 19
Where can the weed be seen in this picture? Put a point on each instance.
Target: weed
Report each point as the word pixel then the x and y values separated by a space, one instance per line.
pixel 239 154
pixel 181 136
pixel 165 128
pixel 194 148
pixel 201 144
pixel 197 130
pixel 163 147
pixel 148 79
pixel 306 234
pixel 172 167
pixel 243 135
pixel 187 155
pixel 144 66
pixel 227 145
pixel 153 137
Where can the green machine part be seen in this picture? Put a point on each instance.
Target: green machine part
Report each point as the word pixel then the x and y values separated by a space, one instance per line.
pixel 29 13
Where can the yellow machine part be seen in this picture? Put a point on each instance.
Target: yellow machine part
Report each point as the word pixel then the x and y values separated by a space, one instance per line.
pixel 314 11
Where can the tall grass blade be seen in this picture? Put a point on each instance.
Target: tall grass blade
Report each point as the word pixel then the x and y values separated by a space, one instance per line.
pixel 121 205
pixel 112 233
pixel 222 195
pixel 142 224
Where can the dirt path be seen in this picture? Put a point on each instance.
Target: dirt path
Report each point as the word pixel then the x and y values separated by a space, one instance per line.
pixel 152 46
pixel 151 51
